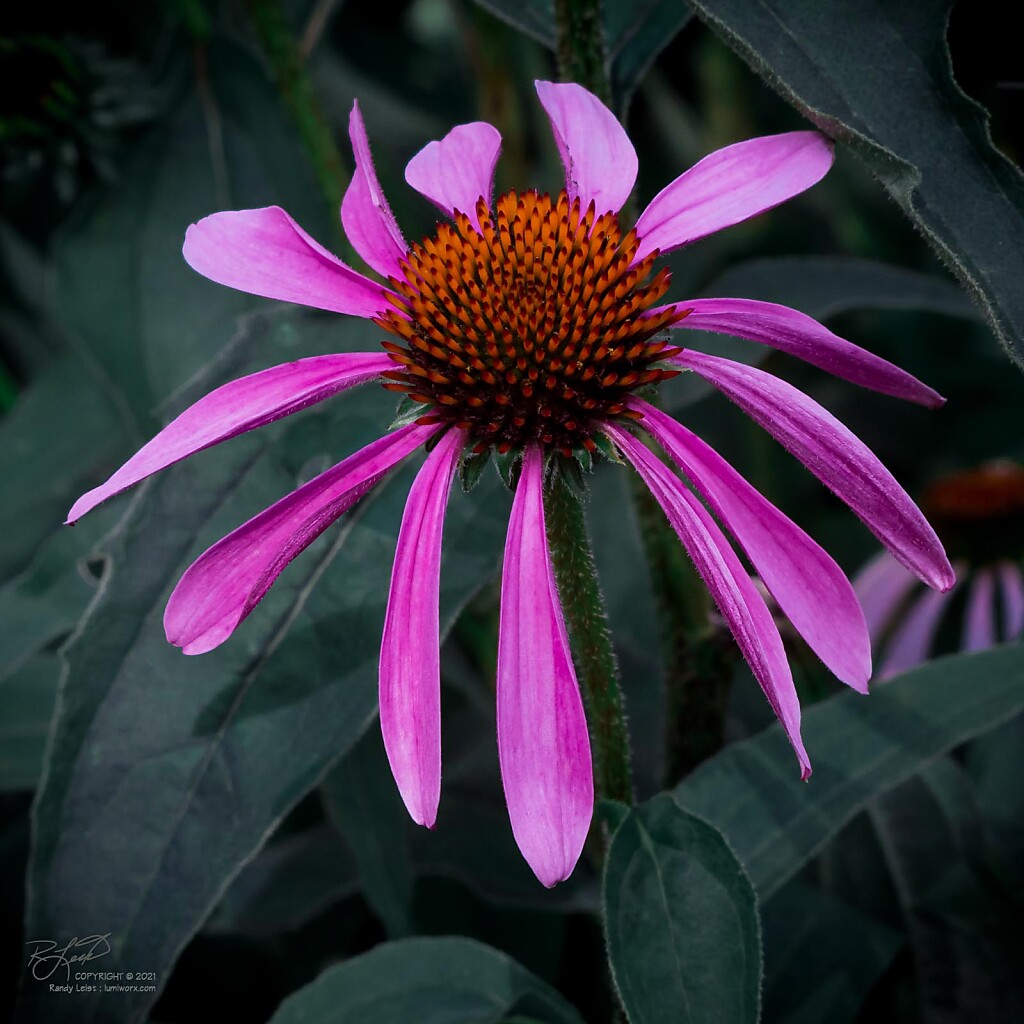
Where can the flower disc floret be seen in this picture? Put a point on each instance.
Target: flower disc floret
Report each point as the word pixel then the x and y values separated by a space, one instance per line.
pixel 533 328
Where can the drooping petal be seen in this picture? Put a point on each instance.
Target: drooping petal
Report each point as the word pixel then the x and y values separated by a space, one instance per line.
pixel 456 171
pixel 732 185
pixel 1013 600
pixel 882 586
pixel 237 407
pixel 980 616
pixel 730 585
pixel 836 457
pixel 808 585
pixel 264 252
pixel 797 334
pixel 410 661
pixel 365 214
pixel 225 583
pixel 600 162
pixel 912 639
pixel 543 743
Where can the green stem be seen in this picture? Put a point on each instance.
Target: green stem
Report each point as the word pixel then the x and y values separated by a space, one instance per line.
pixel 289 71
pixel 588 626
pixel 582 56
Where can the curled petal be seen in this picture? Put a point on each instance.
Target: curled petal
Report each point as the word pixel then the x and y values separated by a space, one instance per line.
pixel 808 585
pixel 1012 587
pixel 458 170
pixel 410 663
pixel 600 162
pixel 912 639
pixel 799 335
pixel 882 586
pixel 365 214
pixel 543 743
pixel 264 252
pixel 836 457
pixel 732 185
pixel 226 582
pixel 980 617
pixel 730 585
pixel 237 407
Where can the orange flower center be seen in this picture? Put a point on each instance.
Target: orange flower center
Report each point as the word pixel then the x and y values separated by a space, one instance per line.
pixel 534 328
pixel 979 514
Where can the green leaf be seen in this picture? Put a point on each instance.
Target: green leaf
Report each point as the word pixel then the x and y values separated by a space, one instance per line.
pixel 123 290
pixel 825 286
pixel 65 431
pixel 287 884
pixel 635 33
pixel 680 921
pixel 991 761
pixel 26 706
pixel 430 981
pixel 822 287
pixel 962 915
pixel 203 756
pixel 859 746
pixel 365 806
pixel 878 77
pixel 821 956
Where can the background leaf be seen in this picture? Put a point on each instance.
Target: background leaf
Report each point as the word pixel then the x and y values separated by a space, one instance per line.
pixel 433 981
pixel 635 33
pixel 878 77
pixel 962 911
pixel 364 804
pixel 859 748
pixel 680 920
pixel 222 745
pixel 821 956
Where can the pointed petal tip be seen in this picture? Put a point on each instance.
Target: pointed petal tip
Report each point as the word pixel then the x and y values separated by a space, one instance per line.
pixel 422 810
pixel 805 771
pixel 85 504
pixel 858 681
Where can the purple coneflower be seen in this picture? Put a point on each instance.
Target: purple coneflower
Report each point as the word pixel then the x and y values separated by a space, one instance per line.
pixel 980 516
pixel 530 325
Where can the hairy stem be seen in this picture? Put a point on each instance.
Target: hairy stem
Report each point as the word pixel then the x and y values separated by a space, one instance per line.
pixel 582 56
pixel 583 605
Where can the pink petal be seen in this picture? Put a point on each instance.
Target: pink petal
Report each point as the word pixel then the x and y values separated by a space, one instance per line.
pixel 799 335
pixel 808 585
pixel 600 162
pixel 266 253
pixel 543 744
pixel 912 639
pixel 1013 600
pixel 457 171
pixel 237 407
pixel 837 457
pixel 730 585
pixel 226 582
pixel 365 214
pixel 882 586
pixel 732 185
pixel 980 616
pixel 410 662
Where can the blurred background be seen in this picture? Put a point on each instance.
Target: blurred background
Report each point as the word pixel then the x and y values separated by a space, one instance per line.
pixel 120 124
